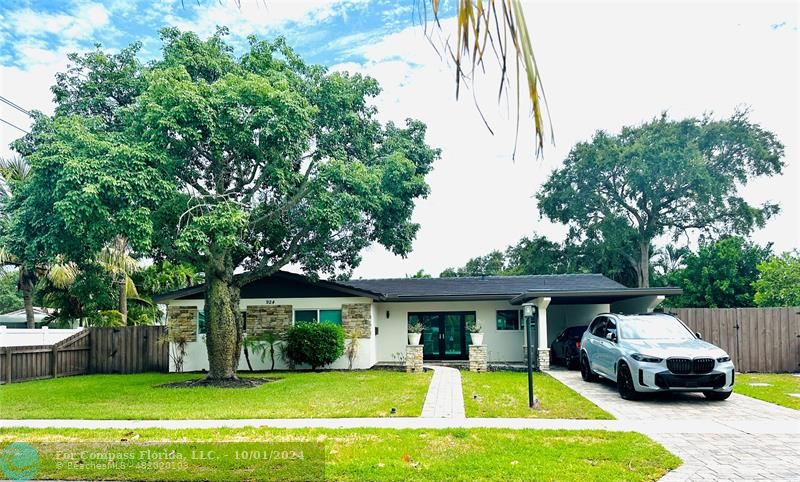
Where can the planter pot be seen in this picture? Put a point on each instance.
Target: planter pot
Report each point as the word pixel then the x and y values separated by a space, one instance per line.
pixel 413 338
pixel 477 338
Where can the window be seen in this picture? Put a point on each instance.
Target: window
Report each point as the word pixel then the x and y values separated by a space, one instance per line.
pixel 508 320
pixel 201 322
pixel 314 316
pixel 611 327
pixel 330 316
pixel 599 327
pixel 654 328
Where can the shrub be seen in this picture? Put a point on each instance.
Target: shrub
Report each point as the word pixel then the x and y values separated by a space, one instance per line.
pixel 109 318
pixel 316 344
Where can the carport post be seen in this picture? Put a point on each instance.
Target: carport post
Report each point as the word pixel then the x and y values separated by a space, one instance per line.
pixel 527 310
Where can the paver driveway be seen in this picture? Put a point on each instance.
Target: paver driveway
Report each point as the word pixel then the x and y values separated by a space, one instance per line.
pixel 739 439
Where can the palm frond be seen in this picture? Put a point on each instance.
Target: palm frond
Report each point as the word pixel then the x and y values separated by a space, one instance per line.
pixel 14 168
pixel 8 258
pixel 62 273
pixel 499 25
pixel 116 259
pixel 130 288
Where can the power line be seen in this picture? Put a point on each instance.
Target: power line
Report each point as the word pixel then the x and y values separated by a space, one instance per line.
pixel 12 104
pixel 12 125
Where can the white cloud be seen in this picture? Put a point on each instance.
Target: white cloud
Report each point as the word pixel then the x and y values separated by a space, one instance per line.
pixel 256 17
pixel 81 23
pixel 604 66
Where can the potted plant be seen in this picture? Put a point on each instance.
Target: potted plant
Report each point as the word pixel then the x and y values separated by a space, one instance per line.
pixel 475 332
pixel 414 333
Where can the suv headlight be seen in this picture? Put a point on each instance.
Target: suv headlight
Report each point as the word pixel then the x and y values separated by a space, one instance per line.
pixel 724 359
pixel 646 358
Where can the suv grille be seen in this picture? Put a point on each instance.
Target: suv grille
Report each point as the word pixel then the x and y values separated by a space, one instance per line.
pixel 681 366
pixel 703 365
pixel 684 366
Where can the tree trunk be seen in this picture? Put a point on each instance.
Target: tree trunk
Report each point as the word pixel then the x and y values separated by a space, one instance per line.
pixel 272 356
pixel 123 300
pixel 237 318
pixel 644 264
pixel 26 287
pixel 247 358
pixel 222 339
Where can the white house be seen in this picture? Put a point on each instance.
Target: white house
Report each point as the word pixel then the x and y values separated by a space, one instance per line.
pixel 383 309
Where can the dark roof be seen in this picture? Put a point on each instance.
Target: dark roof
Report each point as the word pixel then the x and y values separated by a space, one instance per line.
pixel 282 284
pixel 483 286
pixel 573 288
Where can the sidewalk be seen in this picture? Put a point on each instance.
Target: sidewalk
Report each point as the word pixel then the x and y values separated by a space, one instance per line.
pixel 652 427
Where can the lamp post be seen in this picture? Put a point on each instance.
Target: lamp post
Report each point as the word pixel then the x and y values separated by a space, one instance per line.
pixel 528 310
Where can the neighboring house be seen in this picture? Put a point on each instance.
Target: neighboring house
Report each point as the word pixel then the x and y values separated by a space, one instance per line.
pixel 17 319
pixel 383 308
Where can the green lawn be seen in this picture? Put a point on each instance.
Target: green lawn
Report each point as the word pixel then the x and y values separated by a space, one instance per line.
pixel 370 393
pixel 362 454
pixel 780 386
pixel 505 394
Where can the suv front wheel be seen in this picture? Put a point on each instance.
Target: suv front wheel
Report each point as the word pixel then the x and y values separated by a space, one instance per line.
pixel 627 390
pixel 586 369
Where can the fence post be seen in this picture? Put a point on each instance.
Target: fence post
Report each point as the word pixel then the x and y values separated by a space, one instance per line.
pixel 54 361
pixel 8 364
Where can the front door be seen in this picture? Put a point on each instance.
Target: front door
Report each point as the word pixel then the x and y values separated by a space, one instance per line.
pixel 445 334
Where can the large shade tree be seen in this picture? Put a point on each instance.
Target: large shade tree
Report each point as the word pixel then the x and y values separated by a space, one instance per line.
pixel 223 161
pixel 275 162
pixel 663 177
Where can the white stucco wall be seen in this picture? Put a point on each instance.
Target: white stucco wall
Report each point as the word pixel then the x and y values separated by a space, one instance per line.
pixel 560 317
pixel 196 358
pixel 641 304
pixel 389 345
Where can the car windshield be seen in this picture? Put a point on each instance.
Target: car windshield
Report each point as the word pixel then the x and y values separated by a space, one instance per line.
pixel 654 328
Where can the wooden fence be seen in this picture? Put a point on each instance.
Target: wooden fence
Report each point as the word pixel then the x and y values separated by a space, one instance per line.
pixel 130 349
pixel 757 339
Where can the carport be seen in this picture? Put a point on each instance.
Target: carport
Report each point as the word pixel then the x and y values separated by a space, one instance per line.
pixel 557 310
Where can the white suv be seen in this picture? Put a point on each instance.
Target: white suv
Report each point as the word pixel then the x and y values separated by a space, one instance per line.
pixel 654 352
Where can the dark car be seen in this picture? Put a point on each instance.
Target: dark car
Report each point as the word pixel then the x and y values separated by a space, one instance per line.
pixel 566 348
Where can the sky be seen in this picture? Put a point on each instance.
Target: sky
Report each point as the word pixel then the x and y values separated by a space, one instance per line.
pixel 604 65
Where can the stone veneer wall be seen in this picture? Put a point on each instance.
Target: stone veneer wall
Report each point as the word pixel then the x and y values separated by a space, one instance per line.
pixel 541 359
pixel 274 318
pixel 357 315
pixel 414 359
pixel 544 359
pixel 183 319
pixel 478 359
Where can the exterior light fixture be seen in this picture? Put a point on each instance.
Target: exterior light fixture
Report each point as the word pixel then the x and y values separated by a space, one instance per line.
pixel 528 309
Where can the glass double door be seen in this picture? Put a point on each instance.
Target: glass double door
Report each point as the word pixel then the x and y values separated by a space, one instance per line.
pixel 445 334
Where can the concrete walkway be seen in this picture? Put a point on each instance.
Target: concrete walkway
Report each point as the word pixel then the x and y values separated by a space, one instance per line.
pixel 761 442
pixel 444 398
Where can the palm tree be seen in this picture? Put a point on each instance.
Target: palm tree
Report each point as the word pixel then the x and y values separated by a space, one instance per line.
pixel 117 260
pixel 670 258
pixel 13 171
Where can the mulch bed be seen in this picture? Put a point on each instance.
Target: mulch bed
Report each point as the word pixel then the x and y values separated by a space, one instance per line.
pixel 249 382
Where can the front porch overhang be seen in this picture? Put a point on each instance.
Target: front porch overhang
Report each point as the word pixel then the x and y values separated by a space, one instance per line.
pixel 573 297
